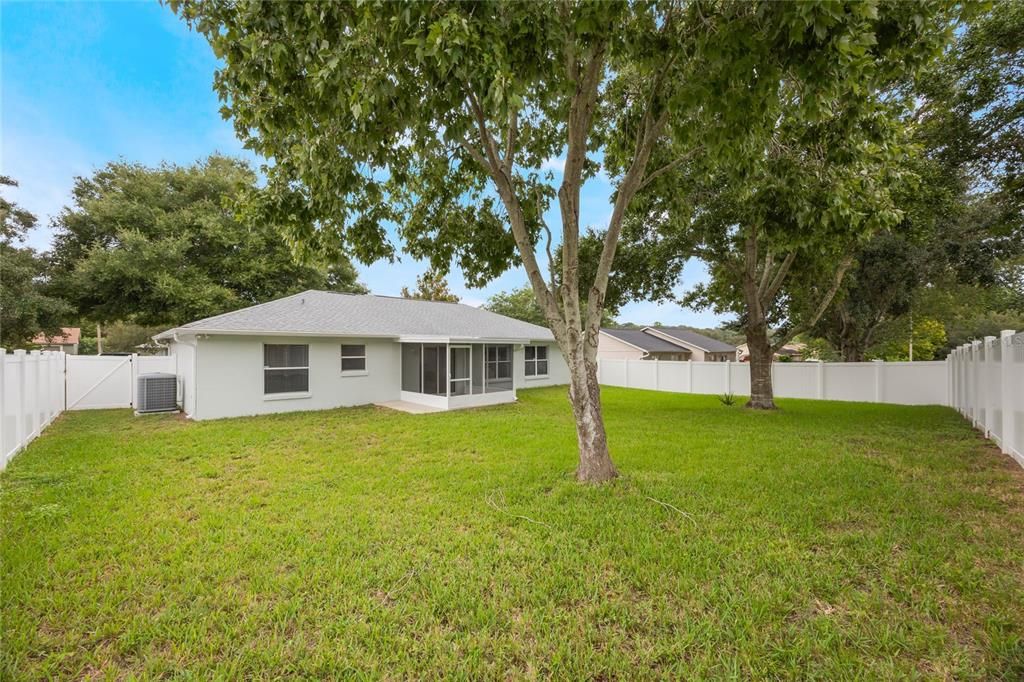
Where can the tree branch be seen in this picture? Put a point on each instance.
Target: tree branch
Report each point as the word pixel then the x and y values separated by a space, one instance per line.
pixel 485 135
pixel 517 219
pixel 476 154
pixel 837 281
pixel 766 270
pixel 668 167
pixel 626 190
pixel 780 276
pixel 749 274
pixel 511 137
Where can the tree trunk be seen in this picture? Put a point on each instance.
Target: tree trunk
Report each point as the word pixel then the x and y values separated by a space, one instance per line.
pixel 852 352
pixel 595 464
pixel 762 396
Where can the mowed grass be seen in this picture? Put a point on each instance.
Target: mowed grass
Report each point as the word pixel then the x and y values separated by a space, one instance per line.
pixel 827 540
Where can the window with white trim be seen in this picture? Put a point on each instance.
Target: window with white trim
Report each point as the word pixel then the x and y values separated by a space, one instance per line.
pixel 498 363
pixel 285 368
pixel 353 359
pixel 536 361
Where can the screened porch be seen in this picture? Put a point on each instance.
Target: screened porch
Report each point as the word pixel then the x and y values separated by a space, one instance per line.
pixel 457 374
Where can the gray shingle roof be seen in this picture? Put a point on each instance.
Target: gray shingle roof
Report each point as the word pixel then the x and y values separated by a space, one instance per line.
pixel 693 338
pixel 643 340
pixel 326 313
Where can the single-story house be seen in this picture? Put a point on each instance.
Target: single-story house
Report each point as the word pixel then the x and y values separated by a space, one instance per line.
pixel 319 349
pixel 67 340
pixel 662 343
pixel 791 352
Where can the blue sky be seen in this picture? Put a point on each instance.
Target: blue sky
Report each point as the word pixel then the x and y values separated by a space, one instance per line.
pixel 85 83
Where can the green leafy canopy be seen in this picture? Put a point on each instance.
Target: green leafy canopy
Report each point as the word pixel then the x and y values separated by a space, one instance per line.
pixel 164 246
pixel 372 111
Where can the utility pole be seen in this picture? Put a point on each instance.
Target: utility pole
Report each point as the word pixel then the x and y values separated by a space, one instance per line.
pixel 99 339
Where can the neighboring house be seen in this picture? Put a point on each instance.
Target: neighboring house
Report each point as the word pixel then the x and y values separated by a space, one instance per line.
pixel 662 343
pixel 66 341
pixel 791 352
pixel 319 349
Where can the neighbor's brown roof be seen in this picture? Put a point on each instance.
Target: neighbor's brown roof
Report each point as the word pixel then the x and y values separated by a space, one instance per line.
pixel 68 335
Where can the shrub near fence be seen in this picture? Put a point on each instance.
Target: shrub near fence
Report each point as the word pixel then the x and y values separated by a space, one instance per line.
pixel 901 383
pixel 987 387
pixel 31 396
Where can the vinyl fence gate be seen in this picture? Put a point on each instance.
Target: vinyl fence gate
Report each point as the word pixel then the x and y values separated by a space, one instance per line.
pixel 37 386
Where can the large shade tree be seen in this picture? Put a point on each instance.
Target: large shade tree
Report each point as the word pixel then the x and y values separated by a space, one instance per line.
pixel 25 308
pixel 778 241
pixel 964 226
pixel 165 245
pixel 519 303
pixel 437 116
pixel 778 227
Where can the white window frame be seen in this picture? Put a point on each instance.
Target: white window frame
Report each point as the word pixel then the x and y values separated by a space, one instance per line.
pixel 527 362
pixel 353 372
pixel 284 395
pixel 497 362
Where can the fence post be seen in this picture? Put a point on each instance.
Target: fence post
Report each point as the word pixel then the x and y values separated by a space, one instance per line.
pixel 689 375
pixel 957 380
pixel 3 414
pixel 63 398
pixel 958 373
pixel 657 375
pixel 19 405
pixel 625 371
pixel 44 390
pixel 600 376
pixel 951 387
pixel 58 383
pixel 878 380
pixel 986 370
pixel 728 376
pixel 36 425
pixel 820 371
pixel 975 381
pixel 133 365
pixel 958 367
pixel 949 381
pixel 1006 399
pixel 965 360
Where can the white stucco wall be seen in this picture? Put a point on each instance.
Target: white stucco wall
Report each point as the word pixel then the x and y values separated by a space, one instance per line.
pixel 558 370
pixel 230 374
pixel 184 356
pixel 227 379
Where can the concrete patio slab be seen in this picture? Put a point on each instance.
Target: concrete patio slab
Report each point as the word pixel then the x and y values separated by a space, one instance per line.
pixel 406 406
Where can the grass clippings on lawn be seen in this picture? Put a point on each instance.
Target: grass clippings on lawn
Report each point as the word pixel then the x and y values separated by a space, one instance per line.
pixel 828 540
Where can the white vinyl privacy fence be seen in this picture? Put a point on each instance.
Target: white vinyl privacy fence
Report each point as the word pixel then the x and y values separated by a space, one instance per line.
pixel 987 387
pixel 31 395
pixel 902 383
pixel 37 386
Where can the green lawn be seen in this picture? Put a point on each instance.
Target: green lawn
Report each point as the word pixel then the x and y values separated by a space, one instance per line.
pixel 829 540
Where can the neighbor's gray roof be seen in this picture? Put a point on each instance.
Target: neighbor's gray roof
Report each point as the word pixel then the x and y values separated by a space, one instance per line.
pixel 326 313
pixel 694 339
pixel 643 340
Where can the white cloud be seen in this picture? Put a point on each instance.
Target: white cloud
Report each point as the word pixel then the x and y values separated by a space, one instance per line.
pixel 44 167
pixel 557 165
